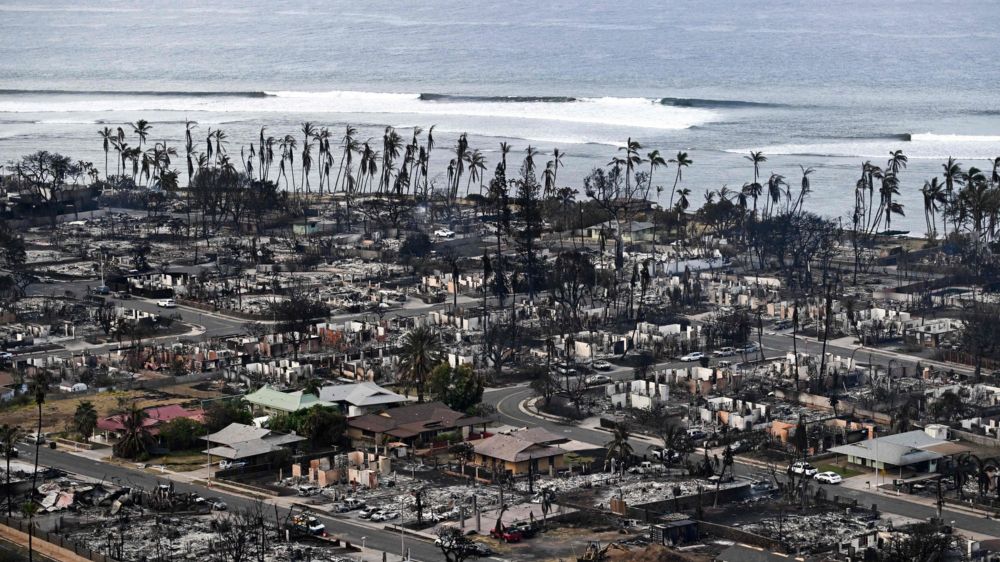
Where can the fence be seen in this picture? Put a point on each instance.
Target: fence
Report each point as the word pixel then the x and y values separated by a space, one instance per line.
pixel 57 540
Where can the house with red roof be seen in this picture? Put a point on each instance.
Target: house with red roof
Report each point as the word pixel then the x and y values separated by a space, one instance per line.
pixel 111 427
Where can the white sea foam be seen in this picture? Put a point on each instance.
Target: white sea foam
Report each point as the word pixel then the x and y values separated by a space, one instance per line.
pixel 620 113
pixel 922 146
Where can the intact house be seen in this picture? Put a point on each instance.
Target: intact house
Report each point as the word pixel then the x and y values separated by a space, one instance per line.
pixel 266 401
pixel 111 428
pixel 416 425
pixel 916 451
pixel 360 398
pixel 249 444
pixel 520 452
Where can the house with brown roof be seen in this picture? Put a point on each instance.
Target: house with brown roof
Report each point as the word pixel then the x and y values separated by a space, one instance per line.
pixel 519 452
pixel 419 424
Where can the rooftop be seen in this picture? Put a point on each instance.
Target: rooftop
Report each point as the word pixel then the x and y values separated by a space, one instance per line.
pixel 360 394
pixel 901 449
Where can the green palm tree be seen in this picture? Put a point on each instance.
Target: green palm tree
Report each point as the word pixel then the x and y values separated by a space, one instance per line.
pixel 681 161
pixel 85 420
pixel 135 438
pixel 421 352
pixel 9 436
pixel 618 447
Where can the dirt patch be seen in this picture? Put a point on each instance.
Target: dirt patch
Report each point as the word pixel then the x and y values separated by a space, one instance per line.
pixel 58 414
pixel 201 390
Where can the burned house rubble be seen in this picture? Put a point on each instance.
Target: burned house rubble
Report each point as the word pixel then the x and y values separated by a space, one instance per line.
pixel 387 369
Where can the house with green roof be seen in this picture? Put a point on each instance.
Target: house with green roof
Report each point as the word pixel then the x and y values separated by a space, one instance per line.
pixel 266 401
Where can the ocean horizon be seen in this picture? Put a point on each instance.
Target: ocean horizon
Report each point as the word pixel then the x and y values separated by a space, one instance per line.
pixel 846 84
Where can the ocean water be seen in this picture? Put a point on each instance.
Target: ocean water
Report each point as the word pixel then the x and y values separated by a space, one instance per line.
pixel 821 85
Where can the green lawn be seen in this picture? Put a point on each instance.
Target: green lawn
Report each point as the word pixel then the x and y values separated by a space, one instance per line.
pixel 841 470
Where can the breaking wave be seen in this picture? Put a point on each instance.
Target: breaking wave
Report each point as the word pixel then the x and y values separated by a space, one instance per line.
pixel 620 113
pixel 716 104
pixel 920 146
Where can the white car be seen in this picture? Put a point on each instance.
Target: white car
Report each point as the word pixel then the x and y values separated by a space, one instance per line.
pixel 725 352
pixel 696 356
pixel 166 303
pixel 829 477
pixel 602 365
pixel 805 469
pixel 444 233
pixel 594 380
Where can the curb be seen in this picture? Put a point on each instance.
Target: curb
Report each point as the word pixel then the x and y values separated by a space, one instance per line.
pixel 530 410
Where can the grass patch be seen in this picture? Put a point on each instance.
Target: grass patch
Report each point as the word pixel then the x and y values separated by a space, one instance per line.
pixel 841 470
pixel 180 461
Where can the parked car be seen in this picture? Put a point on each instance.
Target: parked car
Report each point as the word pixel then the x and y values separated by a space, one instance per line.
pixel 725 352
pixel 804 469
pixel 646 467
pixel 739 447
pixel 166 303
pixel 696 434
pixel 829 477
pixel 354 503
pixel 308 524
pixel 102 290
pixel 444 233
pixel 385 515
pixel 505 535
pixel 594 380
pixel 666 455
pixel 695 356
pixel 602 365
pixel 527 530
pixel 6 356
pixel 122 295
pixel 750 348
pixel 367 512
pixel 217 504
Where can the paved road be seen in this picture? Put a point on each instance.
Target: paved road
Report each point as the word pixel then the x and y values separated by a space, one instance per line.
pixel 506 400
pixel 379 539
